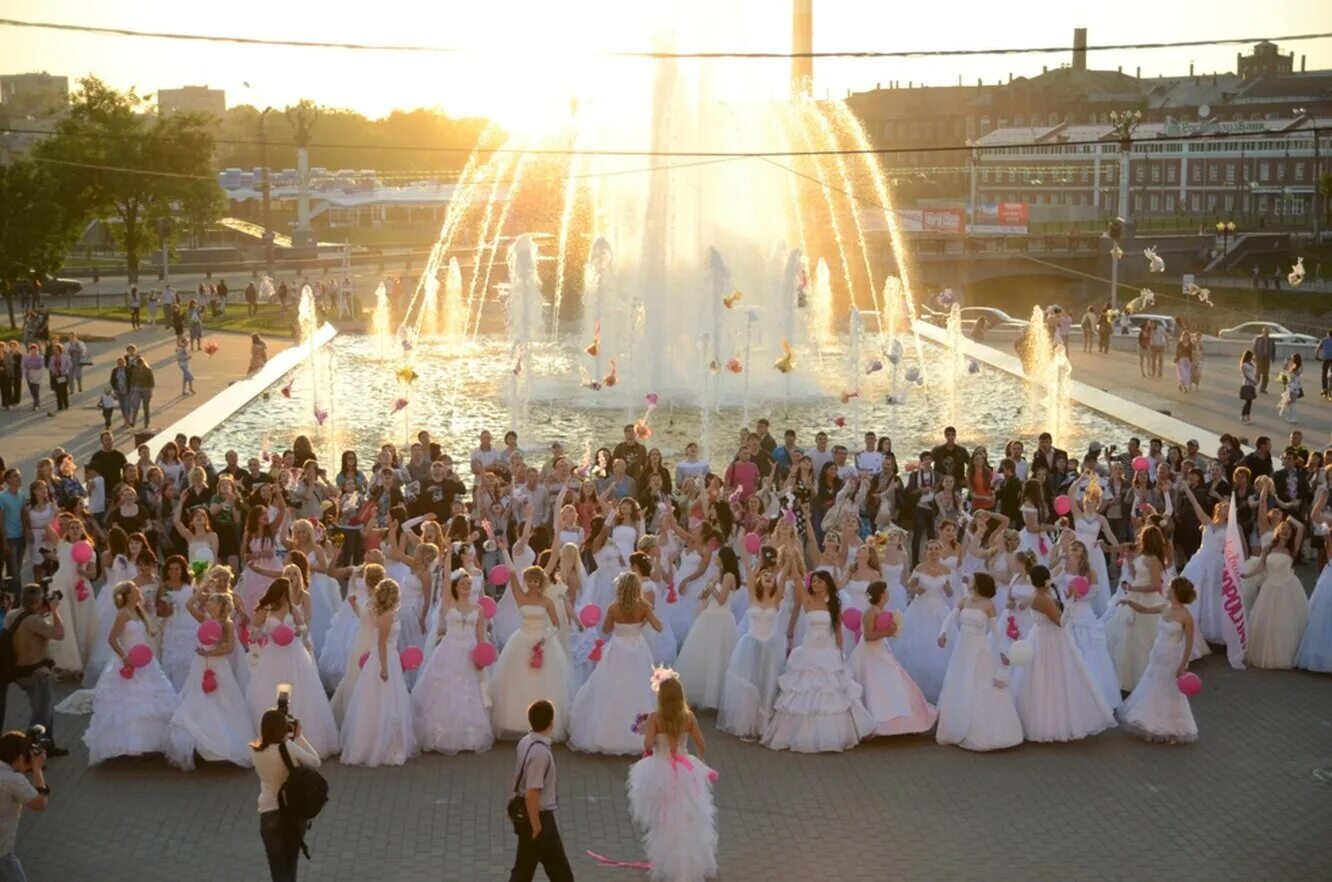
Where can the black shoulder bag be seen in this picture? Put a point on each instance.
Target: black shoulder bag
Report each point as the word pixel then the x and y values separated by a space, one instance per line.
pixel 517 807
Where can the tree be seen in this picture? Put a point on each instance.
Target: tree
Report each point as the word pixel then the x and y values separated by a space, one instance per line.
pixel 36 230
pixel 114 158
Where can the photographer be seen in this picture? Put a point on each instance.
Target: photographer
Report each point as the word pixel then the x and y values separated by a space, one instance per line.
pixel 282 835
pixel 19 757
pixel 30 631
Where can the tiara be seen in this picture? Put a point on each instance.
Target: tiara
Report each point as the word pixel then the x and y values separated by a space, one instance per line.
pixel 660 674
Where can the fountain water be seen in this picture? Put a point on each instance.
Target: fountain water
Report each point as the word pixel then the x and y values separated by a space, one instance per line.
pixel 379 321
pixel 454 320
pixel 957 362
pixel 822 328
pixel 1049 374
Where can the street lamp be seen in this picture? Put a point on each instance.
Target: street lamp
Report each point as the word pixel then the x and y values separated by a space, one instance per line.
pixel 1224 230
pixel 266 189
pixel 1122 126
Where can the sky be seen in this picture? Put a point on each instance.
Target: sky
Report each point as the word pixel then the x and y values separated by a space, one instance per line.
pixel 523 57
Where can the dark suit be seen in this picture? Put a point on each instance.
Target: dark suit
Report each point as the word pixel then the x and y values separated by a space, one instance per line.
pixel 1257 465
pixel 1040 459
pixel 1264 353
pixel 917 484
pixel 1282 480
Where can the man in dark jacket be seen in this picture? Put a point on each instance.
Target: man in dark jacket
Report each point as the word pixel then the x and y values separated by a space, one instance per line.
pixel 142 391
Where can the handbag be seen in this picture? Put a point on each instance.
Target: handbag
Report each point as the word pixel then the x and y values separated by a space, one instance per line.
pixel 516 808
pixel 1247 392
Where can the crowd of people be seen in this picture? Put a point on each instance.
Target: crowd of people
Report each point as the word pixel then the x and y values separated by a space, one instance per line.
pixel 812 598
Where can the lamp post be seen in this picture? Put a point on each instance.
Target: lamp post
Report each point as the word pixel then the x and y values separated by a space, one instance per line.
pixel 1122 127
pixel 265 188
pixel 972 155
pixel 1224 229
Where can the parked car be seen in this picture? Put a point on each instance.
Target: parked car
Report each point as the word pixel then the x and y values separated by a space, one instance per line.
pixel 47 286
pixel 1279 333
pixel 995 319
pixel 1131 324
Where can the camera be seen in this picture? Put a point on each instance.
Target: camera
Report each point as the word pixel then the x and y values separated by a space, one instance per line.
pixel 284 705
pixel 37 738
pixel 49 596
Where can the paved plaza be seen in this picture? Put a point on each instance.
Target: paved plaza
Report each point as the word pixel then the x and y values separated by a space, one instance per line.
pixel 1243 803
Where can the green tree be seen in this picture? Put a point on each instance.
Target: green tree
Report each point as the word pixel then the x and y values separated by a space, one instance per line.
pixel 36 229
pixel 116 159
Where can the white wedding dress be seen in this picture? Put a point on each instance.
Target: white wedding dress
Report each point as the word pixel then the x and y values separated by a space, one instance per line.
pixel 1157 710
pixel 1056 698
pixel 706 653
pixel 750 689
pixel 889 694
pixel 976 710
pixel 517 683
pixel 292 664
pixel 1129 634
pixel 618 690
pixel 818 704
pixel 918 648
pixel 1279 616
pixel 179 638
pixel 451 698
pixel 130 715
pixel 670 800
pixel 377 729
pixel 216 725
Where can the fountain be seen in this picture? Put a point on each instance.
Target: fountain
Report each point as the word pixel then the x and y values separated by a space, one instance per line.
pixel 956 371
pixel 379 321
pixel 822 327
pixel 1048 373
pixel 453 322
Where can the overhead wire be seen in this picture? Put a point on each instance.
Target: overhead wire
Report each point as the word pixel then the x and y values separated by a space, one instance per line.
pixel 68 27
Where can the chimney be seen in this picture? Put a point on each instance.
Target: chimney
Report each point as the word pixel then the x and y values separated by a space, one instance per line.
pixel 802 42
pixel 1079 48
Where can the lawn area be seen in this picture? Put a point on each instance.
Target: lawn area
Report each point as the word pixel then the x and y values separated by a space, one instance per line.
pixel 269 321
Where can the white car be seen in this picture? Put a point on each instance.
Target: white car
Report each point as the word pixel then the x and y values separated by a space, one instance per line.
pixel 1279 333
pixel 995 319
pixel 1131 324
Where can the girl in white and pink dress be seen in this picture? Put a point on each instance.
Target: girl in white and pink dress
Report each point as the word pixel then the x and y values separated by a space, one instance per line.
pixel 818 703
pixel 80 607
pixel 1080 619
pixel 130 713
pixel 117 560
pixel 288 662
pixel 212 719
pixel 362 643
pixel 890 695
pixel 325 595
pixel 918 649
pixel 1032 537
pixel 1056 698
pixel 1157 710
pixel 179 629
pixel 1276 624
pixel 864 569
pixel 620 687
pixel 976 709
pixel 1129 634
pixel 378 729
pixel 750 690
pixel 670 790
pixel 451 698
pixel 662 643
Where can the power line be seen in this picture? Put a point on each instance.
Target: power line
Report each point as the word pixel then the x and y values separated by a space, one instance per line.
pixel 720 154
pixel 457 50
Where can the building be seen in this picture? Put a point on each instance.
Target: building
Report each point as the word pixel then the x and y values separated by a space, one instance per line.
pixel 913 120
pixel 192 99
pixel 1203 170
pixel 33 94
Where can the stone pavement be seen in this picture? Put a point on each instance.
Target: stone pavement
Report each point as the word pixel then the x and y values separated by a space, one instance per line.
pixel 1216 406
pixel 27 436
pixel 1241 804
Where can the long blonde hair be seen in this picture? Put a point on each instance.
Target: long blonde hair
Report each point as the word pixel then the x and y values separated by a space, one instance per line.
pixel 672 709
pixel 226 606
pixel 120 597
pixel 628 591
pixel 385 598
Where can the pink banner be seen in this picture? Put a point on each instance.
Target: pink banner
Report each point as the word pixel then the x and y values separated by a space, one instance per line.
pixel 1232 604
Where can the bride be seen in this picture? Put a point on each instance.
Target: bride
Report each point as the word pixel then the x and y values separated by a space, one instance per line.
pixel 670 792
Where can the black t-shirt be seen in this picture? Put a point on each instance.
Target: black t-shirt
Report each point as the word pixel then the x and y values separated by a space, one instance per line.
pixel 109 464
pixel 959 458
pixel 249 481
pixel 633 454
pixel 437 497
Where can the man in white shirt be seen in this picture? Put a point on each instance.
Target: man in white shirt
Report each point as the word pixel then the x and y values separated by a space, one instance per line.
pixel 845 467
pixel 485 456
pixel 691 466
pixel 869 461
pixel 19 757
pixel 820 455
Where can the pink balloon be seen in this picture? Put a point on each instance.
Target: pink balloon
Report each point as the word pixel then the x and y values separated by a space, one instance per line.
pixel 753 543
pixel 884 621
pixel 210 632
pixel 1189 683
pixel 488 607
pixel 82 552
pixel 1079 586
pixel 851 620
pixel 499 575
pixel 365 657
pixel 713 776
pixel 1063 505
pixel 283 635
pixel 140 655
pixel 1141 464
pixel 590 615
pixel 484 655
pixel 411 658
pixel 127 671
